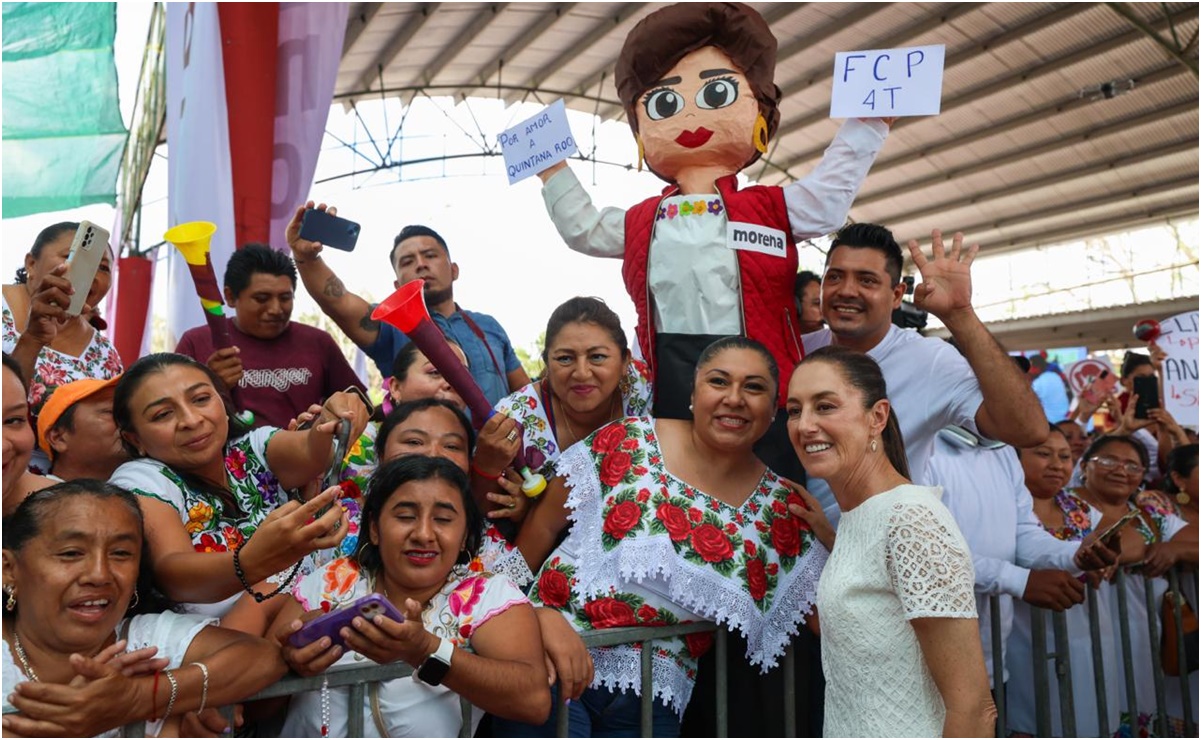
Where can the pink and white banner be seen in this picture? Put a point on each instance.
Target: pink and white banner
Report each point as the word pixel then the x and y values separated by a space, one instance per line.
pixel 238 155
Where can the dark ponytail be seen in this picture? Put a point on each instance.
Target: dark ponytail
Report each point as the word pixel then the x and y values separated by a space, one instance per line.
pixel 865 376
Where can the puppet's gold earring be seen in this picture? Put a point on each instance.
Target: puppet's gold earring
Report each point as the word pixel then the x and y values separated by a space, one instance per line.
pixel 641 151
pixel 760 134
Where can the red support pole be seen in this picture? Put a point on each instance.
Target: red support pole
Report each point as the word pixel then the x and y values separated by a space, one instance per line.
pixel 134 276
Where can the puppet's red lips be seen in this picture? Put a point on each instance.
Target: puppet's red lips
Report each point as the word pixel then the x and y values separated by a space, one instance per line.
pixel 693 139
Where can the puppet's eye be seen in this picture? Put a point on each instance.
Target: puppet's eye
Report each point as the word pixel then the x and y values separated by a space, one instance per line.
pixel 717 93
pixel 663 103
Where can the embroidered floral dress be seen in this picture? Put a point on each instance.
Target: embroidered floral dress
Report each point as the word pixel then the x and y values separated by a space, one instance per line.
pixel 211 527
pixel 1079 520
pixel 53 368
pixel 408 707
pixel 526 406
pixel 647 549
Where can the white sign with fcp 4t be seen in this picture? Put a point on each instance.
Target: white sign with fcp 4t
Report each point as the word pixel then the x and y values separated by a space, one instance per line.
pixel 888 82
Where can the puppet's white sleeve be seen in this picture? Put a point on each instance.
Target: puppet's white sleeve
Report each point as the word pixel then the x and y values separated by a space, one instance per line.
pixel 819 202
pixel 589 231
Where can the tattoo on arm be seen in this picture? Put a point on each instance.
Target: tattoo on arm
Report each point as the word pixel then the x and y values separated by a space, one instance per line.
pixel 367 323
pixel 334 288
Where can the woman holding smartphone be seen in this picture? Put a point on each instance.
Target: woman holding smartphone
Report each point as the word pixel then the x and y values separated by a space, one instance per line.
pixel 51 347
pixel 1153 542
pixel 465 633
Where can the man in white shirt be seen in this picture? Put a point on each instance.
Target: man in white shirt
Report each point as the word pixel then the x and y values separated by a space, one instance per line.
pixel 1013 556
pixel 929 384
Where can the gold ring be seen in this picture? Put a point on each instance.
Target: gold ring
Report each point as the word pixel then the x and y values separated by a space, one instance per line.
pixel 512 436
pixel 512 503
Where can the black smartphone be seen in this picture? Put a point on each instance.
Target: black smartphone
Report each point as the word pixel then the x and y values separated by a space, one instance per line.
pixel 331 231
pixel 1146 387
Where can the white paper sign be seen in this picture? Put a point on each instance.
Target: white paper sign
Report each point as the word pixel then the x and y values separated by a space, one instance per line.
pixel 1081 373
pixel 1178 338
pixel 536 143
pixel 888 82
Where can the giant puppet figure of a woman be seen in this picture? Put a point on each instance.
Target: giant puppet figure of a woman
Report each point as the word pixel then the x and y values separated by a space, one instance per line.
pixel 705 258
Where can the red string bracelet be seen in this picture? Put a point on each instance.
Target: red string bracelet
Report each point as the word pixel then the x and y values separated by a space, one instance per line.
pixel 154 698
pixel 482 474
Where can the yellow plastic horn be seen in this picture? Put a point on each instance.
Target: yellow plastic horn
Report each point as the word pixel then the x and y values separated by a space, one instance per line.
pixel 192 240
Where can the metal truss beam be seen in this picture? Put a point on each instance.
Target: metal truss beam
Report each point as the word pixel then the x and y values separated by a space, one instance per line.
pixel 375 73
pixel 547 17
pixel 1058 178
pixel 1172 48
pixel 992 87
pixel 1120 126
pixel 357 24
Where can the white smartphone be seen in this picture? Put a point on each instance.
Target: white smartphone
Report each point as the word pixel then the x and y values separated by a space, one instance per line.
pixel 87 251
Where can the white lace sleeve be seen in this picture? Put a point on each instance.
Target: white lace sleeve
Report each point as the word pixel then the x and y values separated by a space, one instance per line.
pixel 929 563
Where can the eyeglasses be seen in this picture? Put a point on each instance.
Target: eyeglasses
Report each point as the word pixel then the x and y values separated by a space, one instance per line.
pixel 1109 463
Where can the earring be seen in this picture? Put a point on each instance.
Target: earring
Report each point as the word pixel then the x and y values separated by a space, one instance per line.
pixel 134 601
pixel 759 135
pixel 641 151
pixel 873 445
pixel 690 407
pixel 10 604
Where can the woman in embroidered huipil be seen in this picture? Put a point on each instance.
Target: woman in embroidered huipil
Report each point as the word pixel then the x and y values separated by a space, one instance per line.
pixel 1113 467
pixel 1048 467
pixel 672 521
pixel 208 483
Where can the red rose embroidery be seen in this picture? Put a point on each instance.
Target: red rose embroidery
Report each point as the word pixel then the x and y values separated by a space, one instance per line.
pixel 209 543
pixel 696 515
pixel 785 536
pixel 779 508
pixel 531 402
pixel 607 612
pixel 711 544
pixel 622 518
pixel 647 613
pixel 761 526
pixel 756 579
pixel 796 499
pixel 609 438
pixel 731 529
pixel 553 588
pixel 644 495
pixel 614 467
pixel 698 643
pixel 773 568
pixel 675 521
pixel 750 548
pixel 629 444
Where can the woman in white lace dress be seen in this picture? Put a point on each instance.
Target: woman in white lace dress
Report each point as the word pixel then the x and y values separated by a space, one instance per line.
pixel 900 647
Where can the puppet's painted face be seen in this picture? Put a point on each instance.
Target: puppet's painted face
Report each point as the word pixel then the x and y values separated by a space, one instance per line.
pixel 701 114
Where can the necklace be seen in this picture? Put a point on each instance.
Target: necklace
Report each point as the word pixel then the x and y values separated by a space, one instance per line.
pixel 21 656
pixel 614 410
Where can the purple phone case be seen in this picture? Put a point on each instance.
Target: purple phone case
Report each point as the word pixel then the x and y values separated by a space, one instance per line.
pixel 330 625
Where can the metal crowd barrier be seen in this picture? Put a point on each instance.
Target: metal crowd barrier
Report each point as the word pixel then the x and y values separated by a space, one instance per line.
pixel 1061 659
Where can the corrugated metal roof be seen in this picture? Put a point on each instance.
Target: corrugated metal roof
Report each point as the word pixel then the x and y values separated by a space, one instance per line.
pixel 1018 157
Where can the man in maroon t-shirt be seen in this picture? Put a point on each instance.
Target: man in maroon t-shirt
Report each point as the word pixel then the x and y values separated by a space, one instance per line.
pixel 281 367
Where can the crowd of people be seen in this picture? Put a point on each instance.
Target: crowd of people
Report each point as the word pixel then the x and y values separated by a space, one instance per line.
pixel 771 454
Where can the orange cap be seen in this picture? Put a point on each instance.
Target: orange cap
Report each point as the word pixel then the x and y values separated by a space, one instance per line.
pixel 64 397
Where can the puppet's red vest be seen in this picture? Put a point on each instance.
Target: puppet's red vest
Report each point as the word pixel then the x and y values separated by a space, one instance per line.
pixel 766 281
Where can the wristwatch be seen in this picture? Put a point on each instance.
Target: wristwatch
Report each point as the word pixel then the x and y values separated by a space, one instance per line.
pixel 434 669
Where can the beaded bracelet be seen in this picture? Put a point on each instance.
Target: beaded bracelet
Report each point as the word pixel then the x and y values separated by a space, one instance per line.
pixel 258 597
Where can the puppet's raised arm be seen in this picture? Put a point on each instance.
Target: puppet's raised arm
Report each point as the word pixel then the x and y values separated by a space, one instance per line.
pixel 584 228
pixel 819 202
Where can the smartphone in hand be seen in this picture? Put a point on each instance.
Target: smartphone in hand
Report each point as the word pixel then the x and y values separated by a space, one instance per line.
pixel 87 252
pixel 330 625
pixel 1146 387
pixel 330 231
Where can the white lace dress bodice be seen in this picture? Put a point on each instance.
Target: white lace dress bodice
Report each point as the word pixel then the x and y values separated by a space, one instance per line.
pixel 899 556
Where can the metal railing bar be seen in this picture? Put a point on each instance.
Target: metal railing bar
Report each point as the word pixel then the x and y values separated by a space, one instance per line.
pixel 1063 673
pixel 1042 690
pixel 998 663
pixel 647 720
pixel 1161 700
pixel 562 719
pixel 721 655
pixel 1186 695
pixel 356 703
pixel 1127 656
pixel 1094 630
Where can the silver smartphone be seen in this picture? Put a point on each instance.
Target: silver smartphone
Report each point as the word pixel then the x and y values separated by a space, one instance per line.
pixel 87 251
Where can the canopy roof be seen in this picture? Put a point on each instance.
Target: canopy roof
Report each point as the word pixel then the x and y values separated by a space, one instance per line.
pixel 1058 120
